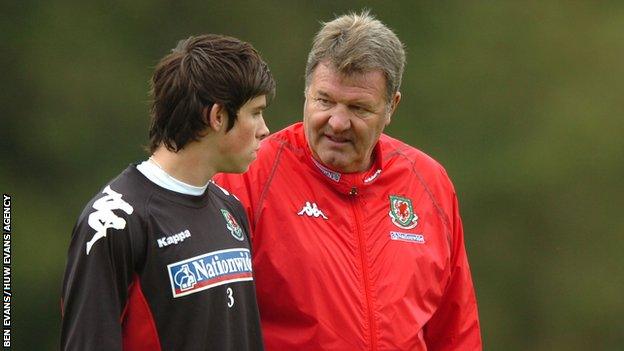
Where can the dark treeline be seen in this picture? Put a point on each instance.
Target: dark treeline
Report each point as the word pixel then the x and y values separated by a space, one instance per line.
pixel 521 101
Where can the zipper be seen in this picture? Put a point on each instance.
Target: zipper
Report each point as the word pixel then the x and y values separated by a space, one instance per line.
pixel 367 289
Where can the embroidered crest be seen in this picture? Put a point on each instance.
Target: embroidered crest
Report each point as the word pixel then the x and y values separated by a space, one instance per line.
pixel 402 212
pixel 232 225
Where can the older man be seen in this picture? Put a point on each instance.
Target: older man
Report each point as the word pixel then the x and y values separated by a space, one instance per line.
pixel 357 239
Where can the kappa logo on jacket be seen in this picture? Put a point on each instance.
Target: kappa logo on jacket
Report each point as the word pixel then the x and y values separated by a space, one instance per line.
pixel 311 210
pixel 104 217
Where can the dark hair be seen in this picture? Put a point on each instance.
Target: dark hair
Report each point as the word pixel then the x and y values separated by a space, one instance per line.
pixel 199 72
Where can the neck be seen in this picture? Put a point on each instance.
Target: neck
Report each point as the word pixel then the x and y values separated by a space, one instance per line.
pixel 185 165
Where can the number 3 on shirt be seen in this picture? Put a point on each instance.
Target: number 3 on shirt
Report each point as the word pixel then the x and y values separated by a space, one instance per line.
pixel 230 297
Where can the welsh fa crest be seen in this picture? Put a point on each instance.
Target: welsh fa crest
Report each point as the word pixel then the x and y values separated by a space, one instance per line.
pixel 232 225
pixel 402 212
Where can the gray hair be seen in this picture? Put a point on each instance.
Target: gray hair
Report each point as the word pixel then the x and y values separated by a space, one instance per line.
pixel 359 43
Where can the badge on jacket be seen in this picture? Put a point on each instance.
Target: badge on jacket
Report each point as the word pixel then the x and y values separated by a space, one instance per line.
pixel 402 212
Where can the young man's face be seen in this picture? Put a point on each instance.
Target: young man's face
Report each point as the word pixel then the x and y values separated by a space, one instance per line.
pixel 240 144
pixel 344 116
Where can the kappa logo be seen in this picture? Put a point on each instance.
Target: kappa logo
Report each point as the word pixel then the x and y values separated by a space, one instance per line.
pixel 373 177
pixel 209 270
pixel 173 239
pixel 402 212
pixel 232 225
pixel 311 210
pixel 104 217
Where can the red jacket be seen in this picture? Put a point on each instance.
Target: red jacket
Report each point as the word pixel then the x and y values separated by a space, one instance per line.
pixel 367 261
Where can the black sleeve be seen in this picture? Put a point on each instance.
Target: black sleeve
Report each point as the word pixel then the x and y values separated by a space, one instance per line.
pixel 100 268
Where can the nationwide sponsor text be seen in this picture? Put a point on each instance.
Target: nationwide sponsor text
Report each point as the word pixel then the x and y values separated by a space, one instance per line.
pixel 209 270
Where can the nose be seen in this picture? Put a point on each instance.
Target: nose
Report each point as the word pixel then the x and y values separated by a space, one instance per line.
pixel 339 120
pixel 263 131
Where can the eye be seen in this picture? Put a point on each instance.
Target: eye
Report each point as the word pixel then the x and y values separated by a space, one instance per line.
pixel 323 102
pixel 361 110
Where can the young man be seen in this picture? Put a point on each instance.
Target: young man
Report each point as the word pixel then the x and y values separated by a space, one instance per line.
pixel 160 258
pixel 357 239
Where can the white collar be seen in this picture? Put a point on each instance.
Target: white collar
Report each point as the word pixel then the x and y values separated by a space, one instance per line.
pixel 152 171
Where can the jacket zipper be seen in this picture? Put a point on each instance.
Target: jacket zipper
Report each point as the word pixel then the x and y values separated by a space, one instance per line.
pixel 367 290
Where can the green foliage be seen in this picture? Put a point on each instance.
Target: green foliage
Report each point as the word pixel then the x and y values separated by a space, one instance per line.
pixel 521 101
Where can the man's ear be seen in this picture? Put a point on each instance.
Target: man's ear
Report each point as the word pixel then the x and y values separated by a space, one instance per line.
pixel 216 117
pixel 395 103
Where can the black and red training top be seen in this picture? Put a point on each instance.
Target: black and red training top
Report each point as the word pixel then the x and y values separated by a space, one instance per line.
pixel 152 269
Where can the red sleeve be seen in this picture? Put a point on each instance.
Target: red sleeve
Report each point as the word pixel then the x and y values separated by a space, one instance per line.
pixel 455 324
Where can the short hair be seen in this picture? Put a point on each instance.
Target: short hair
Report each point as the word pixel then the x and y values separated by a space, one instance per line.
pixel 359 43
pixel 201 71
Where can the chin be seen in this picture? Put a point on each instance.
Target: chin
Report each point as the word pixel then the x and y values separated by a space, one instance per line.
pixel 332 158
pixel 241 169
pixel 332 163
pixel 236 169
pixel 342 165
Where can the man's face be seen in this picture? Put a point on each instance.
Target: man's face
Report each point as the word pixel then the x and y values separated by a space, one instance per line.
pixel 240 144
pixel 344 116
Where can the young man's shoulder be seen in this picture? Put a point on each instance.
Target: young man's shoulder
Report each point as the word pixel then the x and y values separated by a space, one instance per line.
pixel 127 190
pixel 118 205
pixel 223 194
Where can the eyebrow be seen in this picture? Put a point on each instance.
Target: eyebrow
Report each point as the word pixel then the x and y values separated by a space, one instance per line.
pixel 322 93
pixel 359 103
pixel 259 107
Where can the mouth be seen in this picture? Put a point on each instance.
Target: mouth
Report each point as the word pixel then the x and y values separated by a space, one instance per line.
pixel 336 139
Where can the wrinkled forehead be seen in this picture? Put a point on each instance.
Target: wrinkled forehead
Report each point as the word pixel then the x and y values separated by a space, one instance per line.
pixel 327 78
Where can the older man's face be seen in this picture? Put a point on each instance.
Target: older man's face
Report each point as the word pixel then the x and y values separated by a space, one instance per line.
pixel 344 116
